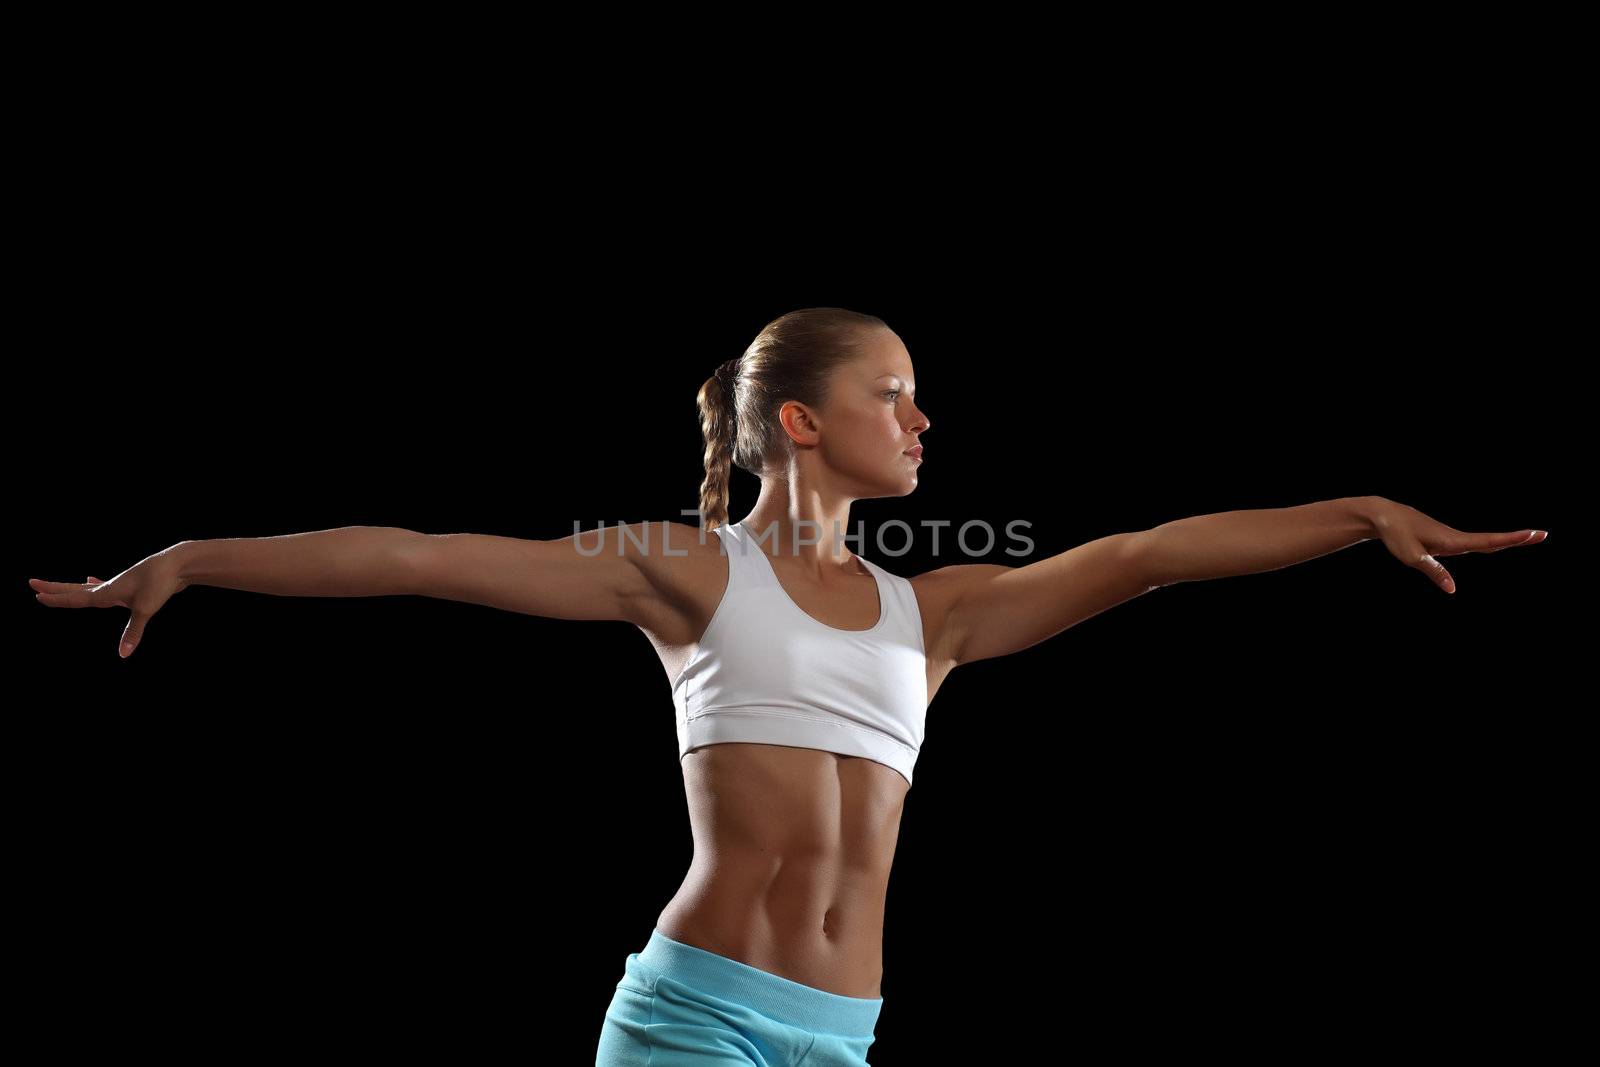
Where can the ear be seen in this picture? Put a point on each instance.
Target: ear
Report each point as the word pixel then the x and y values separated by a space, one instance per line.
pixel 799 422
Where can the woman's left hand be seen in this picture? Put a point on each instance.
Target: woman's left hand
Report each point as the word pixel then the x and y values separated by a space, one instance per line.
pixel 1414 539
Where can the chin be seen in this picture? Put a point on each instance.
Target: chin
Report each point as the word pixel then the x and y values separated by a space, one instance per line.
pixel 898 487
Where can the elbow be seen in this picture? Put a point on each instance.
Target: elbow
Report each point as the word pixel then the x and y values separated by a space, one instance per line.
pixel 414 558
pixel 1146 560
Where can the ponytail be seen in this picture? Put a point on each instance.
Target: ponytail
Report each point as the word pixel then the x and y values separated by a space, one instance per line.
pixel 718 402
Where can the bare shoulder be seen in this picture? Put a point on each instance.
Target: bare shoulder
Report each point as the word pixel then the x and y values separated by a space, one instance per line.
pixel 666 549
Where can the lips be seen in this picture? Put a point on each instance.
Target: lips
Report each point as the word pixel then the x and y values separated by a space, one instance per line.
pixel 917 451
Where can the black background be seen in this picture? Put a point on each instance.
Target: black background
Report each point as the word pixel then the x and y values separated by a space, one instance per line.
pixel 1318 802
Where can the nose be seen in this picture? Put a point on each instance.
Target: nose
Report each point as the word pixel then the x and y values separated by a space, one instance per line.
pixel 920 423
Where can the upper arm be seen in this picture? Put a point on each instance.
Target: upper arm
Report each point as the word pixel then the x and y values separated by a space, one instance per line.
pixel 593 574
pixel 997 610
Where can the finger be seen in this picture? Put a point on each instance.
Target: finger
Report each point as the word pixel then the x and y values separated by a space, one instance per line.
pixel 39 584
pixel 132 635
pixel 1496 542
pixel 1435 570
pixel 63 594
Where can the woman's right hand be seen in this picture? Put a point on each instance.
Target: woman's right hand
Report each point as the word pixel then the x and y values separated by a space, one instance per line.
pixel 143 588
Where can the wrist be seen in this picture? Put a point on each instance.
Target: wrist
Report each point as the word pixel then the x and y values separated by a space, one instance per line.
pixel 1370 509
pixel 183 560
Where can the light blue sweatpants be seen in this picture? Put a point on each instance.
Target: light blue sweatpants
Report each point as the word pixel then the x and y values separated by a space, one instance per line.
pixel 679 1005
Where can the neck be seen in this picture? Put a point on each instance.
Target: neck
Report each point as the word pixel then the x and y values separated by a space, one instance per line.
pixel 803 526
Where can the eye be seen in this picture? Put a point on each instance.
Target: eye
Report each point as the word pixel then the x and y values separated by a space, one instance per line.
pixel 893 393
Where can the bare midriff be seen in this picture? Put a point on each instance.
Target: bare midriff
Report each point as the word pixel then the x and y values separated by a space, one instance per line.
pixel 792 850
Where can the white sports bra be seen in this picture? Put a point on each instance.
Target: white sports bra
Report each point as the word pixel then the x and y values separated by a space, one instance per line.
pixel 765 671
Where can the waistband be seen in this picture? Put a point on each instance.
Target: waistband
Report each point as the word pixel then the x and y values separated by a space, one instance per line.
pixel 789 1002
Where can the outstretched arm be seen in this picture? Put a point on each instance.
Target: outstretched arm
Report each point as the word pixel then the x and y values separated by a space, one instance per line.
pixel 594 574
pixel 996 610
pixel 1247 542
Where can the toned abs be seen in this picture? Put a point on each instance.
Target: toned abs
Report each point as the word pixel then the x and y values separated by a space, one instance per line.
pixel 792 852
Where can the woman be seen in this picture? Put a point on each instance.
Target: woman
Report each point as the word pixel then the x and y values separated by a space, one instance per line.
pixel 801 672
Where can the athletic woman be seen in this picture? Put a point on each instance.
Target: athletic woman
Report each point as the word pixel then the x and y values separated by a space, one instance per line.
pixel 801 672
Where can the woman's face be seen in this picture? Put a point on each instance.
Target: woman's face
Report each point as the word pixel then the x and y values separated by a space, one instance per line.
pixel 871 418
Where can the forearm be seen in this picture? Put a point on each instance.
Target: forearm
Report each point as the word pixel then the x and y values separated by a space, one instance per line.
pixel 1247 542
pixel 348 561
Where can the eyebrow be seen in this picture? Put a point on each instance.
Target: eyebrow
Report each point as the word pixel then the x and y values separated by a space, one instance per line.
pixel 892 374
